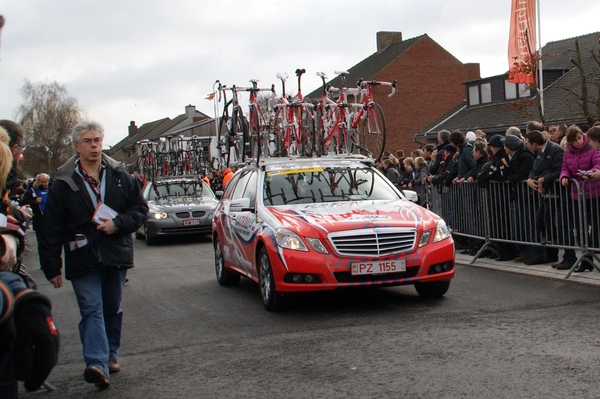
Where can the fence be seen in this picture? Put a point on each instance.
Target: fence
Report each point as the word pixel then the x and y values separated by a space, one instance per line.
pixel 564 218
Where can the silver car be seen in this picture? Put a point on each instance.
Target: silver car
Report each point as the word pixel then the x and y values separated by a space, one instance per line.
pixel 178 205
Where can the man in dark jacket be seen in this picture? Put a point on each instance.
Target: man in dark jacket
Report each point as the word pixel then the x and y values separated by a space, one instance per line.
pixel 435 166
pixel 520 161
pixel 542 178
pixel 36 197
pixel 93 207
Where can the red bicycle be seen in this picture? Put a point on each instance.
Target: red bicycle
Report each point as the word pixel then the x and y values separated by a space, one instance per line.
pixel 294 125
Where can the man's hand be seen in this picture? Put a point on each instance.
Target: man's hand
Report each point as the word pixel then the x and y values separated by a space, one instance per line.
pixel 56 281
pixel 9 257
pixel 533 184
pixel 108 227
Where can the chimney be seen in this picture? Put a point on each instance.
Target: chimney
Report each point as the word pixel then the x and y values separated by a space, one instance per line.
pixel 384 39
pixel 132 129
pixel 190 111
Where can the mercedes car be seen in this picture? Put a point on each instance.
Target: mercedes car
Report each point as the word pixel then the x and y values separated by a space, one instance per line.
pixel 307 224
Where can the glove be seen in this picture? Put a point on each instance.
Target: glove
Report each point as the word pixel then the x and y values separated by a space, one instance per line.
pixel 37 341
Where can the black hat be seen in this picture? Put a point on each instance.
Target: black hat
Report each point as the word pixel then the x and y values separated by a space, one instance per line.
pixel 496 141
pixel 449 148
pixel 513 143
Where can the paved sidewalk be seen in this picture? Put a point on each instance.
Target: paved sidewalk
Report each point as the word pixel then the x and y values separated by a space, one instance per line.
pixel 545 271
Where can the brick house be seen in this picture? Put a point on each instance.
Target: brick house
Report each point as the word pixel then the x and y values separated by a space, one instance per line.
pixel 488 100
pixel 429 83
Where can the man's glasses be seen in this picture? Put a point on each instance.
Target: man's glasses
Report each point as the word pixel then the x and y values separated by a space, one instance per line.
pixel 97 140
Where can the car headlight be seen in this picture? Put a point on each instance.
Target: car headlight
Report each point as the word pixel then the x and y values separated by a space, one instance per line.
pixel 317 245
pixel 425 238
pixel 288 239
pixel 441 231
pixel 159 215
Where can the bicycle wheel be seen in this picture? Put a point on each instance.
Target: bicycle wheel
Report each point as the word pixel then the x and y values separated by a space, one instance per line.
pixel 223 141
pixel 307 144
pixel 320 132
pixel 254 131
pixel 279 126
pixel 241 138
pixel 372 133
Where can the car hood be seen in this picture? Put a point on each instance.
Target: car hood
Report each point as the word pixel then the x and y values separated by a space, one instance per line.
pixel 173 203
pixel 353 215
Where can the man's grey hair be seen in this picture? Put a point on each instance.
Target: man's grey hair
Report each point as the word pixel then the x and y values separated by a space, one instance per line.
pixel 85 126
pixel 515 131
pixel 443 134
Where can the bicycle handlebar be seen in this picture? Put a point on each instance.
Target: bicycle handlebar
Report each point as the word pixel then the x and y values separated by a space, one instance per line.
pixel 393 85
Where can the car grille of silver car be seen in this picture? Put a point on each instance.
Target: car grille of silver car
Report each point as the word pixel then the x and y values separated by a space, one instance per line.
pixel 374 242
pixel 195 214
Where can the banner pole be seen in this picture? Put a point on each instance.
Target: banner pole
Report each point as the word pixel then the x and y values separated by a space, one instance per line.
pixel 539 52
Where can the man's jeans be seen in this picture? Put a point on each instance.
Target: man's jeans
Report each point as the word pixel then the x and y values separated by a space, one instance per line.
pixel 99 295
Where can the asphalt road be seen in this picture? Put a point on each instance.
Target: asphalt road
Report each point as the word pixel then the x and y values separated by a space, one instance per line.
pixel 494 335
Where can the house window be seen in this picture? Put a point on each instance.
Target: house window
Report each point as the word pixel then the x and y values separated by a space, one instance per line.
pixel 510 90
pixel 486 93
pixel 473 95
pixel 514 90
pixel 524 90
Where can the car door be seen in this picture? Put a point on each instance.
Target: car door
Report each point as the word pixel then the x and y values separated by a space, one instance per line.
pixel 242 221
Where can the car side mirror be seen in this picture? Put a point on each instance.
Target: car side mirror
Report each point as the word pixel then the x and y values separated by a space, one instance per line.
pixel 219 194
pixel 240 205
pixel 410 195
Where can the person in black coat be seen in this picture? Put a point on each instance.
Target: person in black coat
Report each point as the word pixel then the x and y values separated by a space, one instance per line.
pixel 92 209
pixel 519 160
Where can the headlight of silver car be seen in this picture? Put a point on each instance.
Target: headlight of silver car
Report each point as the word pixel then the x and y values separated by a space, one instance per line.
pixel 159 215
pixel 288 239
pixel 441 231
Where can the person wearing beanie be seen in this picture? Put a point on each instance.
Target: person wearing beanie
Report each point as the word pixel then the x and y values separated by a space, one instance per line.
pixel 470 137
pixel 512 143
pixel 496 141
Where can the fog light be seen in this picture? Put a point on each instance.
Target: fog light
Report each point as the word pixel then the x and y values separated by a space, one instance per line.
pixel 309 278
pixel 297 278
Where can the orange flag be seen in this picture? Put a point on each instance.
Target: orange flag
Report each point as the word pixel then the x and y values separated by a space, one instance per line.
pixel 210 96
pixel 522 42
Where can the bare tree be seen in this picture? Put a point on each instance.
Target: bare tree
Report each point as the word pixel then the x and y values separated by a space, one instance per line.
pixel 585 100
pixel 48 115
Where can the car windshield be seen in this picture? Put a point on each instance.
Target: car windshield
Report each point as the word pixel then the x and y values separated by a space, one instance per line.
pixel 317 185
pixel 179 189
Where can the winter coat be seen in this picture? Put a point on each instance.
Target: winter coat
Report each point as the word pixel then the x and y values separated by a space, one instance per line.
pixel 466 162
pixel 69 225
pixel 576 159
pixel 548 164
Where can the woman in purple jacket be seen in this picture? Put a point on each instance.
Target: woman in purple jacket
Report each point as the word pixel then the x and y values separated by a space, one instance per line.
pixel 579 160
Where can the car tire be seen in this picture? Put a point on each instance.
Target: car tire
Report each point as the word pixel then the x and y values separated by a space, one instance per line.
pixel 437 289
pixel 224 276
pixel 149 240
pixel 272 300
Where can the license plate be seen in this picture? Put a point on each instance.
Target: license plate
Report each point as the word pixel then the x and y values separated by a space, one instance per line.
pixel 380 267
pixel 192 222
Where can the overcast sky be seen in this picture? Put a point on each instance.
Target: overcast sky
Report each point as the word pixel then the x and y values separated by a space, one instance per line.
pixel 133 60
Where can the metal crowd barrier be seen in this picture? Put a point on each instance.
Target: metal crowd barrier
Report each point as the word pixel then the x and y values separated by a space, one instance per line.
pixel 566 218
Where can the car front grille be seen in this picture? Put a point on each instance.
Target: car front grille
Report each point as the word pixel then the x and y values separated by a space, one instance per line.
pixel 195 214
pixel 374 242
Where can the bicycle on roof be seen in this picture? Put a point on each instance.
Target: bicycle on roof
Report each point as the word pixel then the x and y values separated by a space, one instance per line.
pixel 351 127
pixel 232 133
pixel 293 125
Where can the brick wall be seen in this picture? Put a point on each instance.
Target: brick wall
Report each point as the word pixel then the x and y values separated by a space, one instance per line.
pixel 429 84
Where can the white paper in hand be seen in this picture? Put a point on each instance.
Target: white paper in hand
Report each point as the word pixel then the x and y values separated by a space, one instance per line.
pixel 103 211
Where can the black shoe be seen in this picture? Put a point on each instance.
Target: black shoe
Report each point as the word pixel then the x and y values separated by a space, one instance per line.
pixel 504 258
pixel 536 262
pixel 583 266
pixel 97 376
pixel 564 265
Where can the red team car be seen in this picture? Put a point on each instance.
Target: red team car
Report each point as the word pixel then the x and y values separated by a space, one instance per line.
pixel 309 224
